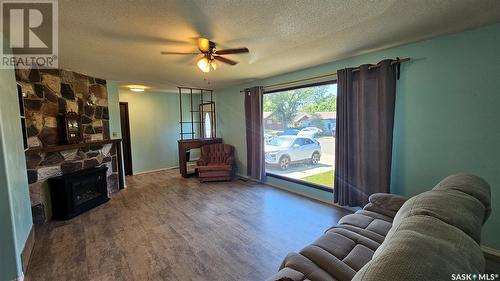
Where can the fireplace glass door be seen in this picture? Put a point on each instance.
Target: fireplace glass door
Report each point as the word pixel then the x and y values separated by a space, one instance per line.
pixel 86 189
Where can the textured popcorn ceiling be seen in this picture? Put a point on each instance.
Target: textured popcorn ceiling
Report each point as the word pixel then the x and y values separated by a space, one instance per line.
pixel 122 40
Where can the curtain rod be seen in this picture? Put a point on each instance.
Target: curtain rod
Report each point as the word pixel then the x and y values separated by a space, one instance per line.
pixel 328 75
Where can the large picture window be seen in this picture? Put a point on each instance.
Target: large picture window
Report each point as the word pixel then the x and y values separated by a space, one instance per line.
pixel 299 132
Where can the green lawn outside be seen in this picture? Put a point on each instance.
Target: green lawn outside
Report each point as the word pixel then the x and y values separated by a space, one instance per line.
pixel 325 179
pixel 271 132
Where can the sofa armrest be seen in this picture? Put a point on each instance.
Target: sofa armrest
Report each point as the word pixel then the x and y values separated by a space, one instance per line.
pixel 387 201
pixel 287 274
pixel 201 162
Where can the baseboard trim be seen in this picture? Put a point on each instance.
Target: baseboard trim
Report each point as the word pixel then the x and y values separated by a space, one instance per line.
pixel 156 170
pixel 298 193
pixel 28 249
pixel 20 278
pixel 492 254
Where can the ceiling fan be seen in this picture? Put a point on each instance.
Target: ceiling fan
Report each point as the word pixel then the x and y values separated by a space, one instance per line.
pixel 209 54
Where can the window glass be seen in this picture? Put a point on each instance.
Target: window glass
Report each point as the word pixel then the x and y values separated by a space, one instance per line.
pixel 306 117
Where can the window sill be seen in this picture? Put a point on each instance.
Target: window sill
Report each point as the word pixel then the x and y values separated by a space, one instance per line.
pixel 297 181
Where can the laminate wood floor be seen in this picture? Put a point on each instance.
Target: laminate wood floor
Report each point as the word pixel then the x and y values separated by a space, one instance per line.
pixel 165 227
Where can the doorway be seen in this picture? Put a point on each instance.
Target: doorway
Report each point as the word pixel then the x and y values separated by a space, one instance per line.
pixel 125 126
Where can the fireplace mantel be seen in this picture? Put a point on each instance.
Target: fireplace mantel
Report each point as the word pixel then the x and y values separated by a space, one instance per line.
pixel 45 149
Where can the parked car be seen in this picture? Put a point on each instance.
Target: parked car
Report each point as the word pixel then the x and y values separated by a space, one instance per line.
pixel 267 137
pixel 289 132
pixel 334 128
pixel 285 150
pixel 311 132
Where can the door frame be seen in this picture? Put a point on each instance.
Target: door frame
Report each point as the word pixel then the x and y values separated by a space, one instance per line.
pixel 127 147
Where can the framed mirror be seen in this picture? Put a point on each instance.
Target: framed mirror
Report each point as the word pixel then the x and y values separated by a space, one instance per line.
pixel 207 120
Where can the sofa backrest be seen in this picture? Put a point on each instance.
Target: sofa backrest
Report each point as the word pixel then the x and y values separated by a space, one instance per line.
pixel 435 234
pixel 217 153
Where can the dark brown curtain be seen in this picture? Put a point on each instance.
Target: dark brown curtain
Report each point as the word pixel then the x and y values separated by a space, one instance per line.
pixel 254 133
pixel 365 121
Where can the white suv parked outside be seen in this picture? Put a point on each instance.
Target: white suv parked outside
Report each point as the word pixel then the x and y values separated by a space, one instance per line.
pixel 285 150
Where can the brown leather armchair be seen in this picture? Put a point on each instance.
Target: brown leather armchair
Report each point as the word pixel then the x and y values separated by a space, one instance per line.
pixel 216 162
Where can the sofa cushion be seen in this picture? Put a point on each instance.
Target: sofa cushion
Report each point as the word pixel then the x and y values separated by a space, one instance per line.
pixel 289 273
pixel 375 215
pixel 214 174
pixel 387 201
pixel 335 243
pixel 434 234
pixel 357 237
pixel 414 253
pixel 448 197
pixel 358 257
pixel 471 185
pixel 215 167
pixel 379 210
pixel 308 268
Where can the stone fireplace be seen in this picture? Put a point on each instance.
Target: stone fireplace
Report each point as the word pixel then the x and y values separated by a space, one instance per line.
pixel 48 94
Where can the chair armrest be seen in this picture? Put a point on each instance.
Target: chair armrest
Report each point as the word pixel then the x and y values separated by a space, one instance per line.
pixel 387 201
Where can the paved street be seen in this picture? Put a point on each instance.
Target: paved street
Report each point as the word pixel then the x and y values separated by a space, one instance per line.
pixel 299 171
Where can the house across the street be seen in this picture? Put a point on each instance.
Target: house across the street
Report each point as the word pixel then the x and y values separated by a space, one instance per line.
pixel 323 120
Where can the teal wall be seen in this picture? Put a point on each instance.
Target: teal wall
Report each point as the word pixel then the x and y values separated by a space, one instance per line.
pixel 15 206
pixel 115 129
pixel 114 109
pixel 447 113
pixel 154 129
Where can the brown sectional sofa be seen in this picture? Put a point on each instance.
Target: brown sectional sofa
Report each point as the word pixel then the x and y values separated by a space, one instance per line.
pixel 428 237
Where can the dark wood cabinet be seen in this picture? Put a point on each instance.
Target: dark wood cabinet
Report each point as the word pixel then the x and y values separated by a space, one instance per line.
pixel 186 145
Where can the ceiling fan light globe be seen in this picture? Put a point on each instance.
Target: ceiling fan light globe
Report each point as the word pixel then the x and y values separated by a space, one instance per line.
pixel 203 44
pixel 213 65
pixel 203 64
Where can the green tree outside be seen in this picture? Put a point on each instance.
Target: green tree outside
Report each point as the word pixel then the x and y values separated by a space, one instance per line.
pixel 287 104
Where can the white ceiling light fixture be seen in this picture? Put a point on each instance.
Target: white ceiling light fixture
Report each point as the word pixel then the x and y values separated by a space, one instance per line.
pixel 137 88
pixel 204 64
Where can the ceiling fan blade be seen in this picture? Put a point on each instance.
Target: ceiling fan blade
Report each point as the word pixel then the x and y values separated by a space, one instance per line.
pixel 178 53
pixel 232 51
pixel 224 60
